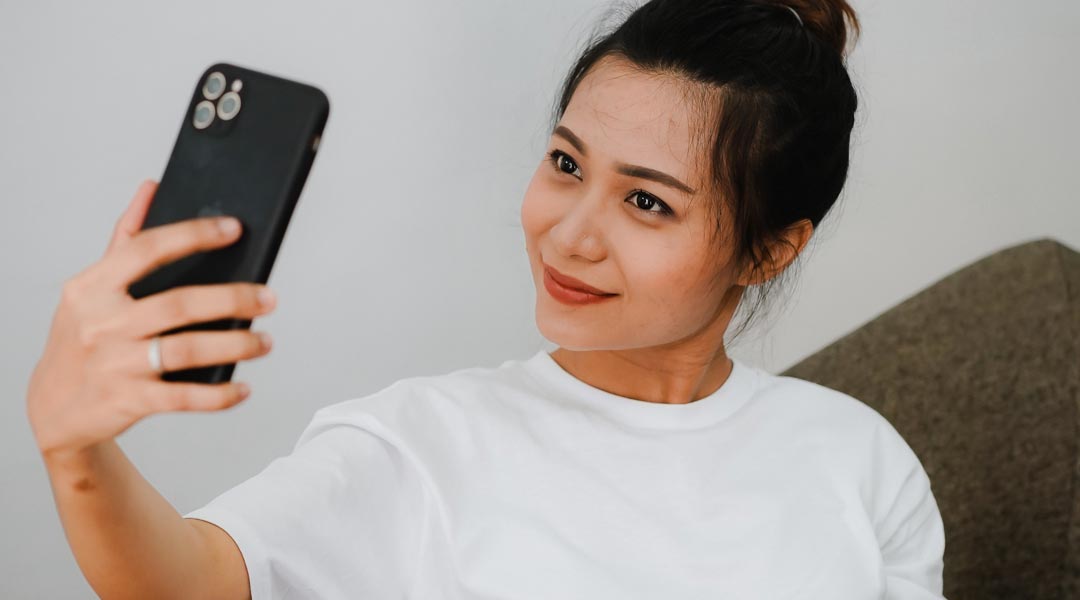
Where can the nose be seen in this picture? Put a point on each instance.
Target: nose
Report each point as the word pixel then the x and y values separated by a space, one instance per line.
pixel 579 232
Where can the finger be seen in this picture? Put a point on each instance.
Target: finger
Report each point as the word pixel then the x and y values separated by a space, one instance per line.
pixel 152 248
pixel 132 220
pixel 163 396
pixel 188 304
pixel 192 349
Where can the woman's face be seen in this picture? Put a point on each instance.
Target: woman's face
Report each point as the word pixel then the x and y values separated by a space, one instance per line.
pixel 589 216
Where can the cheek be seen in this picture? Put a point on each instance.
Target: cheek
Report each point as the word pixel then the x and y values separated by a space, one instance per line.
pixel 664 274
pixel 537 215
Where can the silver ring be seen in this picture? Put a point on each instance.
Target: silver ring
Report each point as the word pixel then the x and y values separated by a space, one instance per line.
pixel 155 354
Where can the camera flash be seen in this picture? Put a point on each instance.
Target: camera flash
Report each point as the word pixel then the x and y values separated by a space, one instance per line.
pixel 236 85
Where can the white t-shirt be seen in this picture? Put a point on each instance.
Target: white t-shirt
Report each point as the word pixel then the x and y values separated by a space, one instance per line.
pixel 522 482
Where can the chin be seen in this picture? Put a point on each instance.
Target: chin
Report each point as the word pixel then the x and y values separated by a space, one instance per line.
pixel 574 332
pixel 565 332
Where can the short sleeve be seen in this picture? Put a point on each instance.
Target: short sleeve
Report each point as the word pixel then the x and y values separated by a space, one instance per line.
pixel 342 516
pixel 907 522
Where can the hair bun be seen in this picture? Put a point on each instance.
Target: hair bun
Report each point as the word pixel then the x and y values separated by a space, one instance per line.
pixel 826 20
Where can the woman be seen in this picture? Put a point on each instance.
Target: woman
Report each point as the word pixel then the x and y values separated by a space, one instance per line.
pixel 694 151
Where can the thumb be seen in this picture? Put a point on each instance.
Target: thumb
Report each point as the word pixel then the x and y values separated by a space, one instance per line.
pixel 131 221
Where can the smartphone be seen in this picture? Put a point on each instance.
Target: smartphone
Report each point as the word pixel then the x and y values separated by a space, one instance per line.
pixel 245 148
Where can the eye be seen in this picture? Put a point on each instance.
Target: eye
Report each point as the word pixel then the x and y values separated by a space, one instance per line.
pixel 651 202
pixel 562 163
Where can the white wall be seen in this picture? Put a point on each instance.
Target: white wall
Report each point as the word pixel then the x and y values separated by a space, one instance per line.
pixel 405 254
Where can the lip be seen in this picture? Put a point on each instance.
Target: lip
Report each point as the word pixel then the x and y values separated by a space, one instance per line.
pixel 574 284
pixel 570 290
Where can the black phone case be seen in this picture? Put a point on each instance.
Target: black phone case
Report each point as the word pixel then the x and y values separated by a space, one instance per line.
pixel 252 167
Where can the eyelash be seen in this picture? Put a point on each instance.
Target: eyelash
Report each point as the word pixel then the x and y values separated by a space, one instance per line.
pixel 554 156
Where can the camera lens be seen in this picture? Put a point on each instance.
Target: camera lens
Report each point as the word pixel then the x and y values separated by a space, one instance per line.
pixel 228 106
pixel 204 114
pixel 214 86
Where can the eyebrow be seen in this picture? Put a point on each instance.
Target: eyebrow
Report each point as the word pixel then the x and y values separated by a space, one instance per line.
pixel 623 168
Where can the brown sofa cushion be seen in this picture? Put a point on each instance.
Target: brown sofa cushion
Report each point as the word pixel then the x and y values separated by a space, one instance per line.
pixel 980 373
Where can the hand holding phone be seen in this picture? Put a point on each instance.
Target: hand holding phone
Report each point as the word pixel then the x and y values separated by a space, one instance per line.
pixel 245 147
pixel 93 380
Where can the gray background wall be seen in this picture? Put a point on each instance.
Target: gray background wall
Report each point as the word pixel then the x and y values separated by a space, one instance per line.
pixel 405 254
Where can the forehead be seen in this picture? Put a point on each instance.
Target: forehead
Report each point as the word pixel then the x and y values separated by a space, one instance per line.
pixel 626 114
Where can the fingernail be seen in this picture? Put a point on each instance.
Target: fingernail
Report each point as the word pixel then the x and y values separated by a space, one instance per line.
pixel 229 225
pixel 265 339
pixel 243 389
pixel 266 297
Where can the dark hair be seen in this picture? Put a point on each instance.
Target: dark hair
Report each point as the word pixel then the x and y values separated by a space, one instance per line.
pixel 776 103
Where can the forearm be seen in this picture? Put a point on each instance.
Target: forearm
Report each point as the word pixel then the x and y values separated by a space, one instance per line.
pixel 128 540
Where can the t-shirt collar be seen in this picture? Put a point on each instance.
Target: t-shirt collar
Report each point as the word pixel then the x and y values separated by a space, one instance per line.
pixel 728 398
